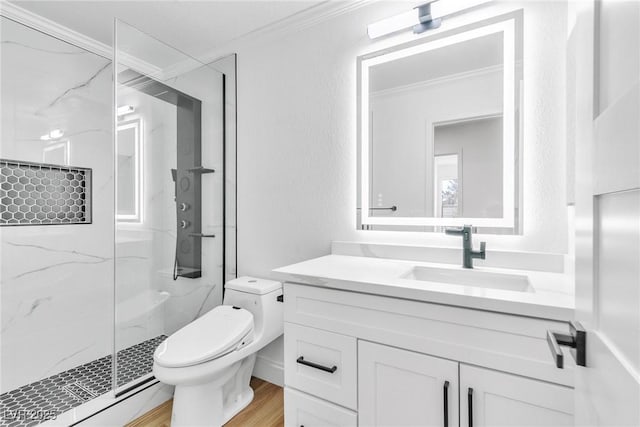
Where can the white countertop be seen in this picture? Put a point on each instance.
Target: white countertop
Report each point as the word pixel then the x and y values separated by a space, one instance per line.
pixel 552 296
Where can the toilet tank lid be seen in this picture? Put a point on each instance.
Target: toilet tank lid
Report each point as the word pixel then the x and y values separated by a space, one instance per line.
pixel 253 285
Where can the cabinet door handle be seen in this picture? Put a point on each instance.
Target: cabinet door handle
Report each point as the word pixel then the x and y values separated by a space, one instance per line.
pixel 576 339
pixel 331 370
pixel 445 393
pixel 470 403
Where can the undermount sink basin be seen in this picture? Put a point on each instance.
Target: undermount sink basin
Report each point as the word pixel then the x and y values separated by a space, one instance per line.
pixel 476 278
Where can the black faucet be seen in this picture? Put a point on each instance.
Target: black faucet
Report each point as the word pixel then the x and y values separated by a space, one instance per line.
pixel 468 254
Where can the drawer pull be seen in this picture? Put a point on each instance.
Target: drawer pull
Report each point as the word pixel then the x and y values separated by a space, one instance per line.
pixel 445 392
pixel 470 403
pixel 331 370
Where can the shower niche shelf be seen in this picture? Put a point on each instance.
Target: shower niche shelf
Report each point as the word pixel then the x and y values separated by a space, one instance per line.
pixel 44 194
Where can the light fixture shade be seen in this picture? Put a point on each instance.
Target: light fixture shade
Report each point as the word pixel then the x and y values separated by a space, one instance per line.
pixel 56 133
pixel 125 109
pixel 53 134
pixel 393 24
pixel 411 18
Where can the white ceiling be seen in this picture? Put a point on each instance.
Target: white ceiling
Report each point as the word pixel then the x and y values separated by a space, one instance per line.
pixel 195 27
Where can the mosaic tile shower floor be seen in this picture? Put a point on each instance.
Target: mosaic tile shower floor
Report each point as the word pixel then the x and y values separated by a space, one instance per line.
pixel 35 403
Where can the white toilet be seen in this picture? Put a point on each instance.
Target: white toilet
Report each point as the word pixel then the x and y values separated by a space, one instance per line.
pixel 210 360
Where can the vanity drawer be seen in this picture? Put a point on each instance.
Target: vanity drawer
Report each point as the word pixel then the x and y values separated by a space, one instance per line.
pixel 321 363
pixel 300 409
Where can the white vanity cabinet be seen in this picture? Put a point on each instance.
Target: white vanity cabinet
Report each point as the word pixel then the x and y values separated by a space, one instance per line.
pixel 359 359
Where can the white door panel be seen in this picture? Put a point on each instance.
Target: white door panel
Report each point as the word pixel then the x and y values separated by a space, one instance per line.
pixel 608 211
pixel 618 252
pixel 617 152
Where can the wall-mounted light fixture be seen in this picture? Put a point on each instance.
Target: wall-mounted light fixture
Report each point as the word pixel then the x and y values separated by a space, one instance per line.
pixel 421 18
pixel 54 134
pixel 125 109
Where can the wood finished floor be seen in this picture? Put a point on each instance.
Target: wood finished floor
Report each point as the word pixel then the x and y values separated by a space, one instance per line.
pixel 266 410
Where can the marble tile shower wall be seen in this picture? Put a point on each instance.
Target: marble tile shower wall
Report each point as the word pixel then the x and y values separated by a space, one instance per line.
pixel 56 281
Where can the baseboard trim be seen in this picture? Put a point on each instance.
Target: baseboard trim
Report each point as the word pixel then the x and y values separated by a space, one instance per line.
pixel 269 370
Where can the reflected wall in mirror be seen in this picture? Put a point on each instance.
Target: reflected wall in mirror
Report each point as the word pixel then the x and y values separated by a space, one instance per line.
pixel 439 131
pixel 129 171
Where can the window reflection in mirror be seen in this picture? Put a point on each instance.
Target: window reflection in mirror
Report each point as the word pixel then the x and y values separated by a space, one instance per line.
pixel 439 131
pixel 478 145
pixel 446 186
pixel 129 167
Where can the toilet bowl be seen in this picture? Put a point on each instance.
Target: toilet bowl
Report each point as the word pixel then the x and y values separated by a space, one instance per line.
pixel 210 360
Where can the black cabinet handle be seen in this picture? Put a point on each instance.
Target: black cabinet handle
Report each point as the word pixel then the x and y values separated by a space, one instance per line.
pixel 445 393
pixel 576 339
pixel 331 370
pixel 552 342
pixel 470 403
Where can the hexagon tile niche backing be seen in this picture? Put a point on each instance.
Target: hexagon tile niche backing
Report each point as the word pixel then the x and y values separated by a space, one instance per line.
pixel 41 194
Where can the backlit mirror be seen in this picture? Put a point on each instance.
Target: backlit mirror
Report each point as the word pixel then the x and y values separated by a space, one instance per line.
pixel 438 130
pixel 129 177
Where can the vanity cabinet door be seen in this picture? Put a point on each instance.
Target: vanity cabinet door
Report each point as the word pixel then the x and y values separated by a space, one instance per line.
pixel 491 398
pixel 403 388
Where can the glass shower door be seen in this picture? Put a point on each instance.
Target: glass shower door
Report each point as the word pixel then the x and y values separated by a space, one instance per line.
pixel 169 162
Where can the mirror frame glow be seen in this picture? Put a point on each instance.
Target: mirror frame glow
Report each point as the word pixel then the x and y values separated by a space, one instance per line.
pixel 134 123
pixel 507 27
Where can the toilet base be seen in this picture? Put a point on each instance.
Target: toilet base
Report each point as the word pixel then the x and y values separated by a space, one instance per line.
pixel 203 406
pixel 215 402
pixel 199 405
pixel 232 409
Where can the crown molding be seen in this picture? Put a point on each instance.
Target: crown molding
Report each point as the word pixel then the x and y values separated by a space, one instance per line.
pixel 302 20
pixel 310 17
pixel 54 29
pixel 464 75
pixel 67 35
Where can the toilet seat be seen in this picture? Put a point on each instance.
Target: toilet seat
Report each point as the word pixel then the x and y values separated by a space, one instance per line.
pixel 221 331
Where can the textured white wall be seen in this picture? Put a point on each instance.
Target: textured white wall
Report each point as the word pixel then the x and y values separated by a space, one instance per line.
pixel 297 138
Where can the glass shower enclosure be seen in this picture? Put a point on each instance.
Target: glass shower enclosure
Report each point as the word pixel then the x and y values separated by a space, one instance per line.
pixel 169 229
pixel 117 193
